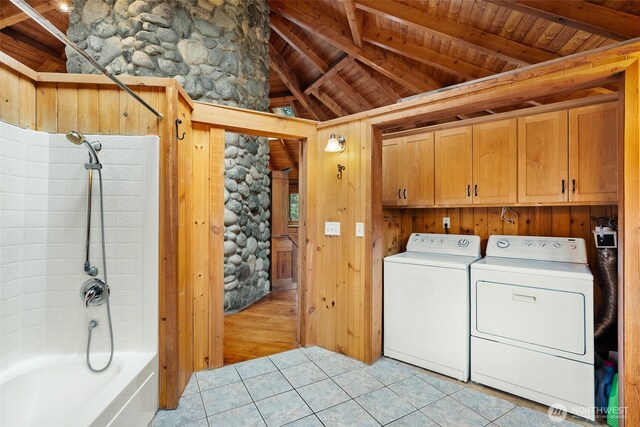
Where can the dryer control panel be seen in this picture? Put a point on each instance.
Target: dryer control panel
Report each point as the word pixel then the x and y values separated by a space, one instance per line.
pixel 560 249
pixel 451 244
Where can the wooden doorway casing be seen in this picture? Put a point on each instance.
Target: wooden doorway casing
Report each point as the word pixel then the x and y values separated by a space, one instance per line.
pixel 210 123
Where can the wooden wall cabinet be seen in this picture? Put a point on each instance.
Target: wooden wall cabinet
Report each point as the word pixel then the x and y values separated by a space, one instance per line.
pixel 453 168
pixel 407 170
pixel 593 153
pixel 543 158
pixel 477 164
pixel 569 155
pixel 553 157
pixel 495 162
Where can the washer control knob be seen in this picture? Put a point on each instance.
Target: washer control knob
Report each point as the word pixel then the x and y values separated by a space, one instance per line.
pixel 463 243
pixel 528 244
pixel 543 244
pixel 556 245
pixel 572 246
pixel 502 244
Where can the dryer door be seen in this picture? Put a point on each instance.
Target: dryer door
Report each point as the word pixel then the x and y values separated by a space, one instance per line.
pixel 545 318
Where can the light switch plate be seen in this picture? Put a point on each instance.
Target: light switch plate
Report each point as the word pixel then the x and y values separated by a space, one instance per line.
pixel 331 228
pixel 359 229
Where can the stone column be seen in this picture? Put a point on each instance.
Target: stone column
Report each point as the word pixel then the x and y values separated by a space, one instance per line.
pixel 218 50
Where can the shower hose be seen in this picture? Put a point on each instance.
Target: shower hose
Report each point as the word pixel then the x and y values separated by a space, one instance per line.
pixel 93 323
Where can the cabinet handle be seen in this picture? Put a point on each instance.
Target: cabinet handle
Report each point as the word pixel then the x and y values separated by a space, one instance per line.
pixel 563 186
pixel 475 190
pixel 573 185
pixel 405 193
pixel 399 196
pixel 469 190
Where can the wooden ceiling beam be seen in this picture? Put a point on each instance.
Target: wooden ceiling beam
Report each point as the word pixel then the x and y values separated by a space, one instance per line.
pixel 449 29
pixel 354 17
pixel 382 85
pixel 434 58
pixel 279 26
pixel 12 41
pixel 11 15
pixel 290 80
pixel 330 103
pixel 21 37
pixel 321 25
pixel 287 154
pixel 581 15
pixel 348 90
pixel 333 70
pixel 280 100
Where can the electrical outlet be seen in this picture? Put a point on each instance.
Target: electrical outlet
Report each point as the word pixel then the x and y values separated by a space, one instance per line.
pixel 359 229
pixel 331 228
pixel 446 222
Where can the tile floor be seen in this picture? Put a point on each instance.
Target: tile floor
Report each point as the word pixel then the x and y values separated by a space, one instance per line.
pixel 316 387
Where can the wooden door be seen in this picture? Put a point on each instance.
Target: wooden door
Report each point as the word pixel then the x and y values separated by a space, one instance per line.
pixel 282 264
pixel 391 172
pixel 417 170
pixel 543 158
pixel 495 162
pixel 279 203
pixel 593 159
pixel 453 166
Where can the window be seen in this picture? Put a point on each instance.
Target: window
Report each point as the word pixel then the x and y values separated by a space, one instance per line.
pixel 294 206
pixel 284 111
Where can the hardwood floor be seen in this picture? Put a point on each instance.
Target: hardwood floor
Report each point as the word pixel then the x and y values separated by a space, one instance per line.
pixel 269 326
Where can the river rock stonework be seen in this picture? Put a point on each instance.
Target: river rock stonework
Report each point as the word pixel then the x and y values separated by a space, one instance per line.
pixel 218 50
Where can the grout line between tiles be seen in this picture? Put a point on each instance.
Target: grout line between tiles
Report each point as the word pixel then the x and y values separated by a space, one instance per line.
pixel 475 412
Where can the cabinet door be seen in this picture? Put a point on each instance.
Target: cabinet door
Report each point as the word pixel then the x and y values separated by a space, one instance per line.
pixel 593 153
pixel 543 158
pixel 417 169
pixel 495 161
pixel 391 172
pixel 453 163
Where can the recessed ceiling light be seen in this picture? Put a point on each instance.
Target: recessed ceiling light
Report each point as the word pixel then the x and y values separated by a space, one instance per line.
pixel 64 7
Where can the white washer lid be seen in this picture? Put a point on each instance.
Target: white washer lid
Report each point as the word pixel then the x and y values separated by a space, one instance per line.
pixel 432 260
pixel 540 268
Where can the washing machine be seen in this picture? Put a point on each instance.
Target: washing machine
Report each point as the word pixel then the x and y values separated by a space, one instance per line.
pixel 426 302
pixel 532 321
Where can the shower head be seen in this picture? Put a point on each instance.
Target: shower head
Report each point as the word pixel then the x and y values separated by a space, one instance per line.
pixel 76 137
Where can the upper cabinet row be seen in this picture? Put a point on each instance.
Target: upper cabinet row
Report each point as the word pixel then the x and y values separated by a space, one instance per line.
pixel 562 156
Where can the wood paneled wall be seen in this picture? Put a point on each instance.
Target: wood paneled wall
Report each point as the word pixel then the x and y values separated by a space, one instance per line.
pixel 558 221
pixel 343 297
pixel 17 99
pixel 201 236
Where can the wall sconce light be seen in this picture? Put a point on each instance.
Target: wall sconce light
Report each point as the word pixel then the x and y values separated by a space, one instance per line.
pixel 335 145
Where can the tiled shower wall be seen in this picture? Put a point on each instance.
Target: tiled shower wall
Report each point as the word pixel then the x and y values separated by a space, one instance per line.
pixel 43 202
pixel 23 238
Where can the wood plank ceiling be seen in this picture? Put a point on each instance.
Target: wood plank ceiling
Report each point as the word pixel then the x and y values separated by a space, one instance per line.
pixel 332 58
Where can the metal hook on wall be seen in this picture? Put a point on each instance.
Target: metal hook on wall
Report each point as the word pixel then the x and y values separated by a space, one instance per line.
pixel 340 169
pixel 178 123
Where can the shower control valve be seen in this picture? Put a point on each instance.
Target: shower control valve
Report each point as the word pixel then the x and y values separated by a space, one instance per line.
pixel 94 292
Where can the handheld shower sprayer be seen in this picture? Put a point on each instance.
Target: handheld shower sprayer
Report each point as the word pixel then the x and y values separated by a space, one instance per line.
pixel 77 138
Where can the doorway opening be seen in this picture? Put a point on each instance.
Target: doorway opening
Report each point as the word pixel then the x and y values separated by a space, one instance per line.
pixel 271 324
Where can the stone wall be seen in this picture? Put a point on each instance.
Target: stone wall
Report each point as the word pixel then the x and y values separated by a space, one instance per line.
pixel 218 50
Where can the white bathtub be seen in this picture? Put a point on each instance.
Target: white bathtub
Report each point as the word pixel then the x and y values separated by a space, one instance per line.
pixel 60 391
